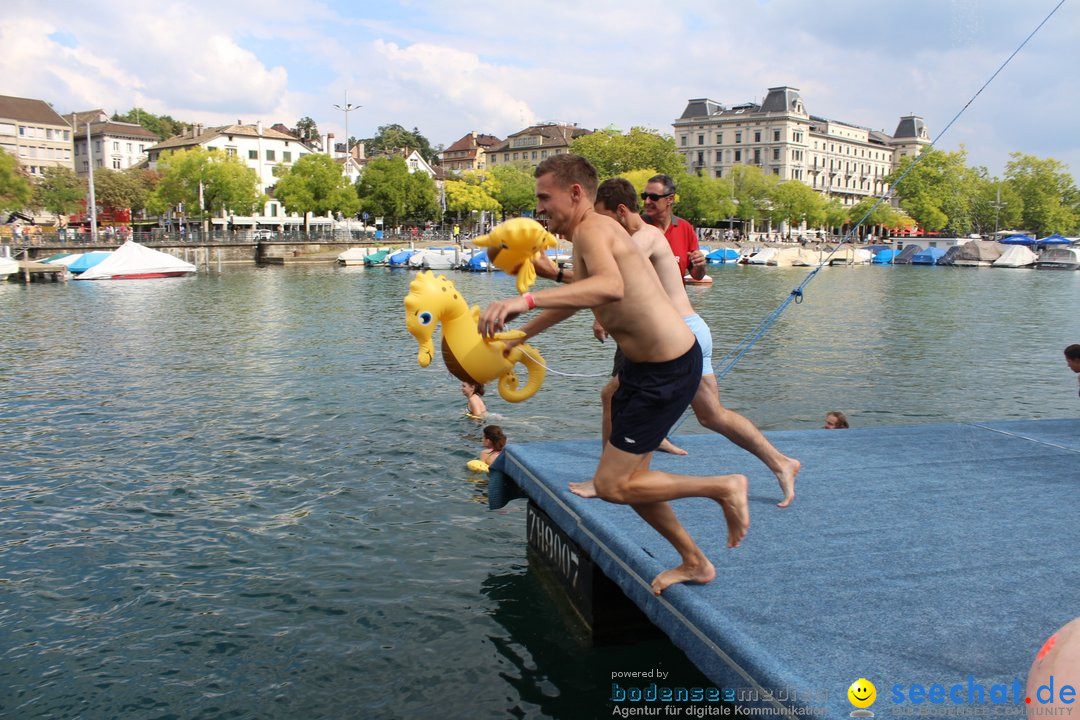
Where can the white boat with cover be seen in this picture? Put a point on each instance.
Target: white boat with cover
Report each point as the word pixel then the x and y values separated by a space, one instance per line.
pixel 132 261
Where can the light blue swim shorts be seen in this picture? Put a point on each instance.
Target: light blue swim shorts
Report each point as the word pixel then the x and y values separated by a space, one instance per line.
pixel 704 337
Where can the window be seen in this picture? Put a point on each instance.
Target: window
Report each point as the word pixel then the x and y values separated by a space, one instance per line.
pixel 67 135
pixel 776 171
pixel 129 148
pixel 682 140
pixel 253 154
pixel 738 136
pixel 270 156
pixel 700 139
pixel 757 136
pixel 230 151
pixel 116 163
pixel 738 156
pixel 141 148
pixel 273 209
pixel 701 158
pixel 757 156
pixel 115 146
pixel 286 156
pixel 719 172
pixel 776 153
pixel 719 138
pixel 719 155
pixel 776 136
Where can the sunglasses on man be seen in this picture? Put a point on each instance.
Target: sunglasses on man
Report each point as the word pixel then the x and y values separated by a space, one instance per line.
pixel 654 196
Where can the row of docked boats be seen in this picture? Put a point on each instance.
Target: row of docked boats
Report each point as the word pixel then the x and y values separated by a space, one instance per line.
pixel 974 253
pixel 434 258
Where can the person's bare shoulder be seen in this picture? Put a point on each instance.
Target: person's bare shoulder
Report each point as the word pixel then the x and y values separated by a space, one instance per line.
pixel 652 242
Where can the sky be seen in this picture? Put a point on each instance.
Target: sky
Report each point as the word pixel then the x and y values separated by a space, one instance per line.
pixel 448 67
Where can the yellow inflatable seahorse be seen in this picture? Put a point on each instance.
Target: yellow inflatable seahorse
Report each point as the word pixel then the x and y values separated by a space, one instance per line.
pixel 467 354
pixel 513 244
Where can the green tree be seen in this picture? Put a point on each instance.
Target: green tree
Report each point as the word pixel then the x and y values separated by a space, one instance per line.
pixel 937 191
pixel 461 197
pixel 996 206
pixel 794 202
pixel 394 137
pixel 60 191
pixel 1051 201
pixel 515 189
pixel 121 189
pixel 315 184
pixel 702 199
pixel 306 129
pixel 421 198
pixel 163 126
pixel 228 185
pixel 16 190
pixel 881 215
pixel 386 189
pixel 613 153
pixel 837 215
pixel 753 192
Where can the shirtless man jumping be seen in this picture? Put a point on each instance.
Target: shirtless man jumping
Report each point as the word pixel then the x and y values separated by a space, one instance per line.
pixel 662 373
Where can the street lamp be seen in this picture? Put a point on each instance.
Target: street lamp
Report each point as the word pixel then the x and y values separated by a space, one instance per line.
pixel 346 108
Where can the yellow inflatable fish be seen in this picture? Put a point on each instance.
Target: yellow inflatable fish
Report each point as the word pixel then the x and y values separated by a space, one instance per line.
pixel 467 354
pixel 513 244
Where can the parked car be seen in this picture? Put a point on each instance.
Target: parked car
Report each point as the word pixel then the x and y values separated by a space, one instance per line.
pixel 263 235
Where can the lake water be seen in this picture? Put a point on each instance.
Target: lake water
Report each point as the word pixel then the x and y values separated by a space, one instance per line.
pixel 237 496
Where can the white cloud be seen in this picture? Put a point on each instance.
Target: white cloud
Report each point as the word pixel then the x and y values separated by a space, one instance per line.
pixel 458 83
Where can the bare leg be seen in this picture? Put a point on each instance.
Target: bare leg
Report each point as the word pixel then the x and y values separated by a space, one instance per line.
pixel 622 477
pixel 695 567
pixel 739 430
pixel 666 446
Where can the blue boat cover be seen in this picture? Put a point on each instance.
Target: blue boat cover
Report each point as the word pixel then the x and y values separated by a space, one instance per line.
pixel 929 256
pixel 88 260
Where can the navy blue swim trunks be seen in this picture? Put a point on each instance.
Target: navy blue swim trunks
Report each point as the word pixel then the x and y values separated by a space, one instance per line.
pixel 651 398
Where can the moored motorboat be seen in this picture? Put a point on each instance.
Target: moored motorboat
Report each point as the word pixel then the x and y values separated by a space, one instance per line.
pixel 1016 256
pixel 1059 258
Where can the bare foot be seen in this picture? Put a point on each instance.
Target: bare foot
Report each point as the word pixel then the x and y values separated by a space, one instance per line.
pixel 699 572
pixel 732 495
pixel 584 489
pixel 787 480
pixel 670 447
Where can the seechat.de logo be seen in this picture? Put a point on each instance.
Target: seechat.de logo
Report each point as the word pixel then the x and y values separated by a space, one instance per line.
pixel 862 695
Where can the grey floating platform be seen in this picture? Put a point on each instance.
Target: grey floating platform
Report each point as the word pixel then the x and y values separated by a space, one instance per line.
pixel 913 555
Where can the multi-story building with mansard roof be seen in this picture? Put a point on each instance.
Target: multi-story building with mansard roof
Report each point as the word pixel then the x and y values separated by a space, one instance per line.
pixel 838 159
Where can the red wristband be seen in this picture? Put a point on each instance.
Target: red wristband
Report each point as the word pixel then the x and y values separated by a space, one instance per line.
pixel 530 301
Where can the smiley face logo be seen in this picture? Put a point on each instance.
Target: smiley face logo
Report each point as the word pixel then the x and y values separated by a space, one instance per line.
pixel 862 693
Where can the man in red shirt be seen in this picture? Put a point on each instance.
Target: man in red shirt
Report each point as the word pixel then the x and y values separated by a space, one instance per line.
pixel 659 197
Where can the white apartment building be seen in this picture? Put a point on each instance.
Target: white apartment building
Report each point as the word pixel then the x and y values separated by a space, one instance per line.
pixel 262 149
pixel 838 159
pixel 113 144
pixel 32 132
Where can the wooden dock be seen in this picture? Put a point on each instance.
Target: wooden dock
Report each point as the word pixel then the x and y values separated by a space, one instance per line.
pixel 30 271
